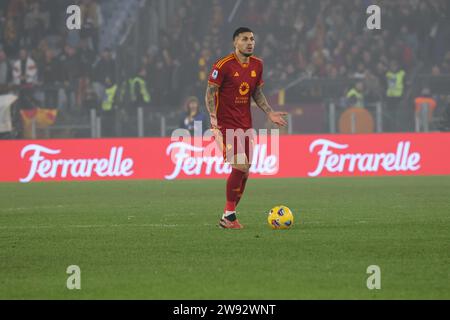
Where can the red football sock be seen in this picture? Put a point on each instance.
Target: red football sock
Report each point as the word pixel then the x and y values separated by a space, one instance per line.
pixel 243 183
pixel 233 188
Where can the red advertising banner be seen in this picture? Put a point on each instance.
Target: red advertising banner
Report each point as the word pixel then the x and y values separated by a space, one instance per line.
pixel 283 156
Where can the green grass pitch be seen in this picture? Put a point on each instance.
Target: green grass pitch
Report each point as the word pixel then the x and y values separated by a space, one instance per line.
pixel 160 240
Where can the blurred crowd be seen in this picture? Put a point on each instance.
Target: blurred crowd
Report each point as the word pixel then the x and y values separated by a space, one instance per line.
pixel 310 39
pixel 326 39
pixel 39 57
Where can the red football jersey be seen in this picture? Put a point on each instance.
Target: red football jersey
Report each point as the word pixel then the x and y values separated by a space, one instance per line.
pixel 237 83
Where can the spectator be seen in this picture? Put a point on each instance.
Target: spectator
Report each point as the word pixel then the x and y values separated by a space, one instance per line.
pixel 194 119
pixel 87 58
pixel 6 120
pixel 105 67
pixel 36 24
pixel 139 95
pixel 360 72
pixel 25 77
pixel 372 87
pixel 92 20
pixel 435 71
pixel 424 103
pixel 11 37
pixel 395 81
pixel 161 80
pixel 50 77
pixel 109 107
pixel 90 98
pixel 70 73
pixel 4 69
pixel 2 23
pixel 355 96
pixel 25 71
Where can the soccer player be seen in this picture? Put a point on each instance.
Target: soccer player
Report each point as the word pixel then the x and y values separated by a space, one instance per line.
pixel 233 81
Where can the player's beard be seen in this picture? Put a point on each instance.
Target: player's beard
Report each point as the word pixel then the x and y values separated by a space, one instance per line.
pixel 247 55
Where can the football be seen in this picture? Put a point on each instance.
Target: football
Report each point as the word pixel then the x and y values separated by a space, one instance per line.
pixel 280 217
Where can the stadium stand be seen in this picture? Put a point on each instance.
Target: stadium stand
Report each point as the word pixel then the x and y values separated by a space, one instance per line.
pixel 323 52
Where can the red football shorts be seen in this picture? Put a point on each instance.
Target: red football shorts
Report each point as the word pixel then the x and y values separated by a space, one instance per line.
pixel 235 144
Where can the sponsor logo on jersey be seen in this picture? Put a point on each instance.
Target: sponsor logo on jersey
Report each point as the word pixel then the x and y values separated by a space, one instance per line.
pixel 244 88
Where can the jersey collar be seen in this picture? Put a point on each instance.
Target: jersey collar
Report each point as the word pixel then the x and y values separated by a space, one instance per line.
pixel 243 65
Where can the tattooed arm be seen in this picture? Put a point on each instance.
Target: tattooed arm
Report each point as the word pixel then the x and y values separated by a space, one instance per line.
pixel 211 91
pixel 261 102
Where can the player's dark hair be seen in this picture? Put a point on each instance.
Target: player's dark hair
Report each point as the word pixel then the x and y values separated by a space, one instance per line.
pixel 240 30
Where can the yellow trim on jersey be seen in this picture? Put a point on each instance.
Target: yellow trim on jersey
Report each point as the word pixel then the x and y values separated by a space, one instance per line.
pixel 223 59
pixel 220 65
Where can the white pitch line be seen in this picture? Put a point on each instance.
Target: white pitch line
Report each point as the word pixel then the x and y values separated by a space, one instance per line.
pixel 93 226
pixel 25 227
pixel 32 208
pixel 89 226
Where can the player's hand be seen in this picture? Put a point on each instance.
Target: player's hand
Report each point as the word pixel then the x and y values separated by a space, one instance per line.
pixel 213 120
pixel 277 118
